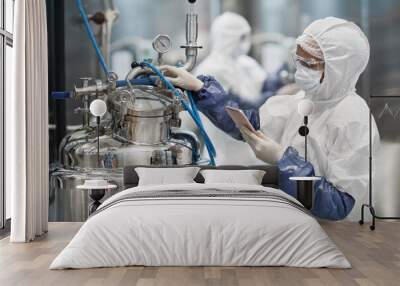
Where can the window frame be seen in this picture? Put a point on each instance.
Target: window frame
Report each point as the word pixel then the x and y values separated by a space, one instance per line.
pixel 6 39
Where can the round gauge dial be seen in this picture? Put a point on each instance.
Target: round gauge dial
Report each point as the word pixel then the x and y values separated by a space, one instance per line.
pixel 161 44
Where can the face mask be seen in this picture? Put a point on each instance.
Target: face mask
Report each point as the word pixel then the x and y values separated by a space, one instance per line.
pixel 308 79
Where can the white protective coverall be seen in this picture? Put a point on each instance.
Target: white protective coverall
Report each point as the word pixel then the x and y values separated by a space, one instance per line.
pixel 338 142
pixel 228 62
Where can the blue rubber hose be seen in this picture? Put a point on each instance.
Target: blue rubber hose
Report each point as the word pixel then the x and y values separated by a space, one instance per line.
pixel 92 38
pixel 209 145
pixel 194 107
pixel 60 94
pixel 148 80
pixel 192 110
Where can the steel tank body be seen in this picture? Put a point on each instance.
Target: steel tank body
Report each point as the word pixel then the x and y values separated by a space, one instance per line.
pixel 147 122
pixel 144 116
pixel 148 119
pixel 82 152
pixel 170 153
pixel 141 132
pixel 67 203
pixel 116 154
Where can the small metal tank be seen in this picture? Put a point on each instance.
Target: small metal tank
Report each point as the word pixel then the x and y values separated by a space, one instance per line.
pixel 148 119
pixel 143 130
pixel 67 203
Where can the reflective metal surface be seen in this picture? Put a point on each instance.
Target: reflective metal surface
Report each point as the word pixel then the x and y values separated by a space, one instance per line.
pixel 67 203
pixel 147 120
pixel 83 153
pixel 137 131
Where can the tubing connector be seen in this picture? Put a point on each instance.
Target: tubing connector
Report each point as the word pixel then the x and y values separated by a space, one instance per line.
pixel 96 89
pixel 191 47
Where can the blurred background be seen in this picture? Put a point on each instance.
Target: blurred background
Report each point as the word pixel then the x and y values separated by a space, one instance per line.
pixel 275 24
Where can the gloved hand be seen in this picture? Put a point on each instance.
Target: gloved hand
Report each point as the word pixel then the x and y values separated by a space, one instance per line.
pixel 265 148
pixel 182 78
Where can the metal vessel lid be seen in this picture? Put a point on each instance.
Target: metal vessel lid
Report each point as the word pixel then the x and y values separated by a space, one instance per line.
pixel 149 103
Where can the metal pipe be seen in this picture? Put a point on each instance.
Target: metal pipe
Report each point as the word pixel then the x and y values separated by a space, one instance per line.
pixel 98 141
pixel 192 28
pixel 91 89
pixel 86 117
pixel 133 73
pixel 191 59
pixel 305 137
pixel 191 47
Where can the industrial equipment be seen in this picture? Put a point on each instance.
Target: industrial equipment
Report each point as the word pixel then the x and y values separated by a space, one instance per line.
pixel 141 126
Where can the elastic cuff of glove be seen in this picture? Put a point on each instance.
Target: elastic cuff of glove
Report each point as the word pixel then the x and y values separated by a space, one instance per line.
pixel 290 152
pixel 207 81
pixel 292 159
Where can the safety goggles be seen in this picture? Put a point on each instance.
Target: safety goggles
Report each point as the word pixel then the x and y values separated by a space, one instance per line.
pixel 313 64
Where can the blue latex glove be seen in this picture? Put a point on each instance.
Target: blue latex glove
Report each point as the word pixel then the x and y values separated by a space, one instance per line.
pixel 211 101
pixel 329 202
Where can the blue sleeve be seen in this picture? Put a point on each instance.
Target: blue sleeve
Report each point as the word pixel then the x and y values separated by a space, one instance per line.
pixel 274 82
pixel 211 101
pixel 329 202
pixel 269 88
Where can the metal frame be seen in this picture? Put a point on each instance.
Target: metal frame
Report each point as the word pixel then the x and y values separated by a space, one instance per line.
pixel 6 39
pixel 370 205
pixel 2 89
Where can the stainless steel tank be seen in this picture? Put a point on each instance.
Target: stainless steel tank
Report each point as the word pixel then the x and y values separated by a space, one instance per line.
pixel 117 153
pixel 142 131
pixel 79 150
pixel 67 203
pixel 145 117
pixel 142 128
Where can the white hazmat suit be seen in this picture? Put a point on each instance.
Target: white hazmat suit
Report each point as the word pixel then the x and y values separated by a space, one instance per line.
pixel 228 62
pixel 338 145
pixel 338 142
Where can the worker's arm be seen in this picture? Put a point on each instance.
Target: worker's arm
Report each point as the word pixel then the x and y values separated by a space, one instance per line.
pixel 211 100
pixel 270 87
pixel 329 202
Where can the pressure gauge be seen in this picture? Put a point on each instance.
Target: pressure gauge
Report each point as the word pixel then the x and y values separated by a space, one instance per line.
pixel 161 44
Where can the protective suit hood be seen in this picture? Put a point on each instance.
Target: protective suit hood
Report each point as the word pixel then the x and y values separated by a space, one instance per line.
pixel 227 32
pixel 346 53
pixel 228 63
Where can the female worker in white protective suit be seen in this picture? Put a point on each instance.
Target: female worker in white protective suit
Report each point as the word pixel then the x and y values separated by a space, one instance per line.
pixel 331 55
pixel 240 75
